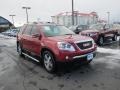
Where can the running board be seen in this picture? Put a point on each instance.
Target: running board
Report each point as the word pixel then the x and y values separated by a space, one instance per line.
pixel 30 57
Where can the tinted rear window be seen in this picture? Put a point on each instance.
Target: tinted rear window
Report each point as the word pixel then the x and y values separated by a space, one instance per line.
pixel 22 29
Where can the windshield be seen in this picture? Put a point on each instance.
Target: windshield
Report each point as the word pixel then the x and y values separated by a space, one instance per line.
pixel 97 26
pixel 72 28
pixel 55 30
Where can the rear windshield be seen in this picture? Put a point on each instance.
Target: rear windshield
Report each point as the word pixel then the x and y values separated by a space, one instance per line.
pixel 56 30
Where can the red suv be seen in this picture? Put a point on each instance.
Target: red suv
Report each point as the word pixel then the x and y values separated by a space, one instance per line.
pixel 51 43
pixel 101 32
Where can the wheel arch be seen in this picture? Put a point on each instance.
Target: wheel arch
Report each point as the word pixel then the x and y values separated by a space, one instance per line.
pixel 47 49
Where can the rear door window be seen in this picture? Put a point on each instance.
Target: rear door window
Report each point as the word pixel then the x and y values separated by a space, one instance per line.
pixel 22 29
pixel 28 30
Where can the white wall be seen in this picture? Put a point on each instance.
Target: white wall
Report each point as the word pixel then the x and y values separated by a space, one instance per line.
pixel 81 20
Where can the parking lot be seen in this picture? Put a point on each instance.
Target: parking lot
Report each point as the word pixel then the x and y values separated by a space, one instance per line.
pixel 18 73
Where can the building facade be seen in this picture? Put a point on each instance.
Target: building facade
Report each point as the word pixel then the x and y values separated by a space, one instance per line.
pixel 65 18
pixel 4 24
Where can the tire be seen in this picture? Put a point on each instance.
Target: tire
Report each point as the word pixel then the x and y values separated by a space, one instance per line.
pixel 87 63
pixel 101 40
pixel 49 61
pixel 115 37
pixel 19 49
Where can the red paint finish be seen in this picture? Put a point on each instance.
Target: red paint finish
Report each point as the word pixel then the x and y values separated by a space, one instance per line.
pixel 35 44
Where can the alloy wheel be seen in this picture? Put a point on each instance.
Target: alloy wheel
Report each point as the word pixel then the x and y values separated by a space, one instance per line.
pixel 48 61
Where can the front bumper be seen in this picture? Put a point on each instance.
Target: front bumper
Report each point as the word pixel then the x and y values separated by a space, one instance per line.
pixel 76 57
pixel 83 56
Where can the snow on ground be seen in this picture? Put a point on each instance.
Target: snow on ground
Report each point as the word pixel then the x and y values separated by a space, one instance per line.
pixel 106 50
pixel 112 61
pixel 5 39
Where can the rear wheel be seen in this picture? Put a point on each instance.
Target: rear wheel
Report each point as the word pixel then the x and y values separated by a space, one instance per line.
pixel 115 37
pixel 19 48
pixel 49 61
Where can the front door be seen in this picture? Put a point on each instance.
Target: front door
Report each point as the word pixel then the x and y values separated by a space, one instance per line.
pixel 35 40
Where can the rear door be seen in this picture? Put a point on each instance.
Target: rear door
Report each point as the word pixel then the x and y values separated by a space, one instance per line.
pixel 26 38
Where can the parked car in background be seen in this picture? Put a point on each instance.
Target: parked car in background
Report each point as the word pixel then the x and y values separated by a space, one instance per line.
pixel 101 32
pixel 14 32
pixel 54 43
pixel 6 32
pixel 117 27
pixel 11 32
pixel 78 28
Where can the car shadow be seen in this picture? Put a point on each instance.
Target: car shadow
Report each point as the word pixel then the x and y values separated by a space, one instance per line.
pixel 72 68
pixel 62 69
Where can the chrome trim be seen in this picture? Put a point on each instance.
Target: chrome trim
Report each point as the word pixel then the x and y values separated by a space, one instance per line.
pixel 81 56
pixel 30 57
pixel 85 41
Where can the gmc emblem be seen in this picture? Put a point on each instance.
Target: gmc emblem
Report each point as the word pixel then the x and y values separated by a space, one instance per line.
pixel 86 44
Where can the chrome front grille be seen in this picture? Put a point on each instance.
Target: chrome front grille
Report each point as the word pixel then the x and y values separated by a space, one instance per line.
pixel 85 45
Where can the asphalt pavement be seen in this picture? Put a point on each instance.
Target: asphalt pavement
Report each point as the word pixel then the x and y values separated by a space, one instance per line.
pixel 18 73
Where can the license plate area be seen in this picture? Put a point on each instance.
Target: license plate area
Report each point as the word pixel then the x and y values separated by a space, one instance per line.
pixel 89 56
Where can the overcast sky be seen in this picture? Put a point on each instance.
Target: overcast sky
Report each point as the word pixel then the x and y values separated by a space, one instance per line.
pixel 44 9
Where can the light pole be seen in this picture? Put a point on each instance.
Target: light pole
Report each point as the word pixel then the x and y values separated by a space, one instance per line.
pixel 108 13
pixel 26 8
pixel 12 18
pixel 72 12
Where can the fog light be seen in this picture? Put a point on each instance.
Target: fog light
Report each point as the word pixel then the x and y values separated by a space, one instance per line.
pixel 67 57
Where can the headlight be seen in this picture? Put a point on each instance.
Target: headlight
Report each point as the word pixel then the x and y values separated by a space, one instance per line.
pixel 65 46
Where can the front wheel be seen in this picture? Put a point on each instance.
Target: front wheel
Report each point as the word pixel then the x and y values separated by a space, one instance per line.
pixel 101 41
pixel 49 61
pixel 114 38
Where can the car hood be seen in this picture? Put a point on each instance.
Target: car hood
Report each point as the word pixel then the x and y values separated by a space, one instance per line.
pixel 70 38
pixel 90 31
